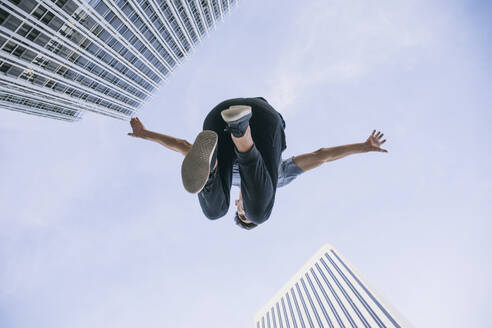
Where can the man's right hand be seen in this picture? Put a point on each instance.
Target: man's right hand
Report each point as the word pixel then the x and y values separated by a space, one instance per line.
pixel 138 128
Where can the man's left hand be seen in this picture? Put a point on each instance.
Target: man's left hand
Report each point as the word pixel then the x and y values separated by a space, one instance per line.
pixel 374 142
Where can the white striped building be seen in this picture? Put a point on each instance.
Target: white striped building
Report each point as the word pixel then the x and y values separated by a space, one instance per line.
pixel 59 58
pixel 327 292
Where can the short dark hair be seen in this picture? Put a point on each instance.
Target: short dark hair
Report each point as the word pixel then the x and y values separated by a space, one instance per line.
pixel 242 224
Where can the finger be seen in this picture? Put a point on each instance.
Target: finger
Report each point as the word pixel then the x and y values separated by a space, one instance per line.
pixel 383 150
pixel 377 135
pixel 381 135
pixel 382 142
pixel 131 134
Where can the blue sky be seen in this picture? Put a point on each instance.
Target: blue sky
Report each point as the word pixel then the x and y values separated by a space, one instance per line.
pixel 97 230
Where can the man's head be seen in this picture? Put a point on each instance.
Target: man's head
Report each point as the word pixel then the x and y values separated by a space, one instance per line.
pixel 240 217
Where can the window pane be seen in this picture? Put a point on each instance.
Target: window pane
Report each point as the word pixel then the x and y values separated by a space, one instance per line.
pixel 12 23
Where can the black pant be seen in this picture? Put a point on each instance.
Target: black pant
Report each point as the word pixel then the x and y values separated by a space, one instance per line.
pixel 258 167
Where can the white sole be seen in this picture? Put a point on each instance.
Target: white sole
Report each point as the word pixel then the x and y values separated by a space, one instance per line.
pixel 195 169
pixel 235 112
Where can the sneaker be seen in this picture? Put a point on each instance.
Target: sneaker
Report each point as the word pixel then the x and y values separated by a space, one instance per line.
pixel 237 118
pixel 199 161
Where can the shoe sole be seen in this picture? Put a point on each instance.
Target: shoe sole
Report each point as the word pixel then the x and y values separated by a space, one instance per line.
pixel 235 112
pixel 195 169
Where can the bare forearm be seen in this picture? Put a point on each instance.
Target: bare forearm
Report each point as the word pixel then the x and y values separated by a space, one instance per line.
pixel 309 161
pixel 334 153
pixel 180 145
pixel 312 160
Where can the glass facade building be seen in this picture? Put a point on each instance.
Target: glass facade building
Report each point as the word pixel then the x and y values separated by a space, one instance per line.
pixel 59 58
pixel 327 292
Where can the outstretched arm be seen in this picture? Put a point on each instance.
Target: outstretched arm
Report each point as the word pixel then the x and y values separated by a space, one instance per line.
pixel 312 160
pixel 180 145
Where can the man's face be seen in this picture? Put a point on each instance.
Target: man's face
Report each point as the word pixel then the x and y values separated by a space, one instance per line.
pixel 240 209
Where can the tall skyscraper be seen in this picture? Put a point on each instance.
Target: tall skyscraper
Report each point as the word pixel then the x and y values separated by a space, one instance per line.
pixel 327 292
pixel 59 58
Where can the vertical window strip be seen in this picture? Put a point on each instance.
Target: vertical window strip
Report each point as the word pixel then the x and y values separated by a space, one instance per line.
pixel 337 298
pixel 216 10
pixel 303 303
pixel 163 13
pixel 298 309
pixel 185 18
pixel 292 315
pixel 311 303
pixel 225 6
pixel 274 321
pixel 206 12
pixel 133 15
pixel 175 28
pixel 374 299
pixel 318 299
pixel 344 292
pixel 196 16
pixel 279 316
pixel 111 19
pixel 356 293
pixel 158 21
pixel 285 313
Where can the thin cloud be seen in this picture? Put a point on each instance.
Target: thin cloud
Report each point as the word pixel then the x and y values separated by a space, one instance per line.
pixel 330 45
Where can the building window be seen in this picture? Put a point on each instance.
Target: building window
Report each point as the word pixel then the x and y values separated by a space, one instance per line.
pixel 15 71
pixel 9 47
pixel 70 7
pixel 28 55
pixel 33 35
pixel 24 29
pixel 5 67
pixel 12 23
pixel 39 12
pixel 101 8
pixel 47 18
pixel 18 51
pixel 55 23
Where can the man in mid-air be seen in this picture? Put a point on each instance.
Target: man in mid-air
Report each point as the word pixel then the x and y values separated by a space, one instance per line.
pixel 241 145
